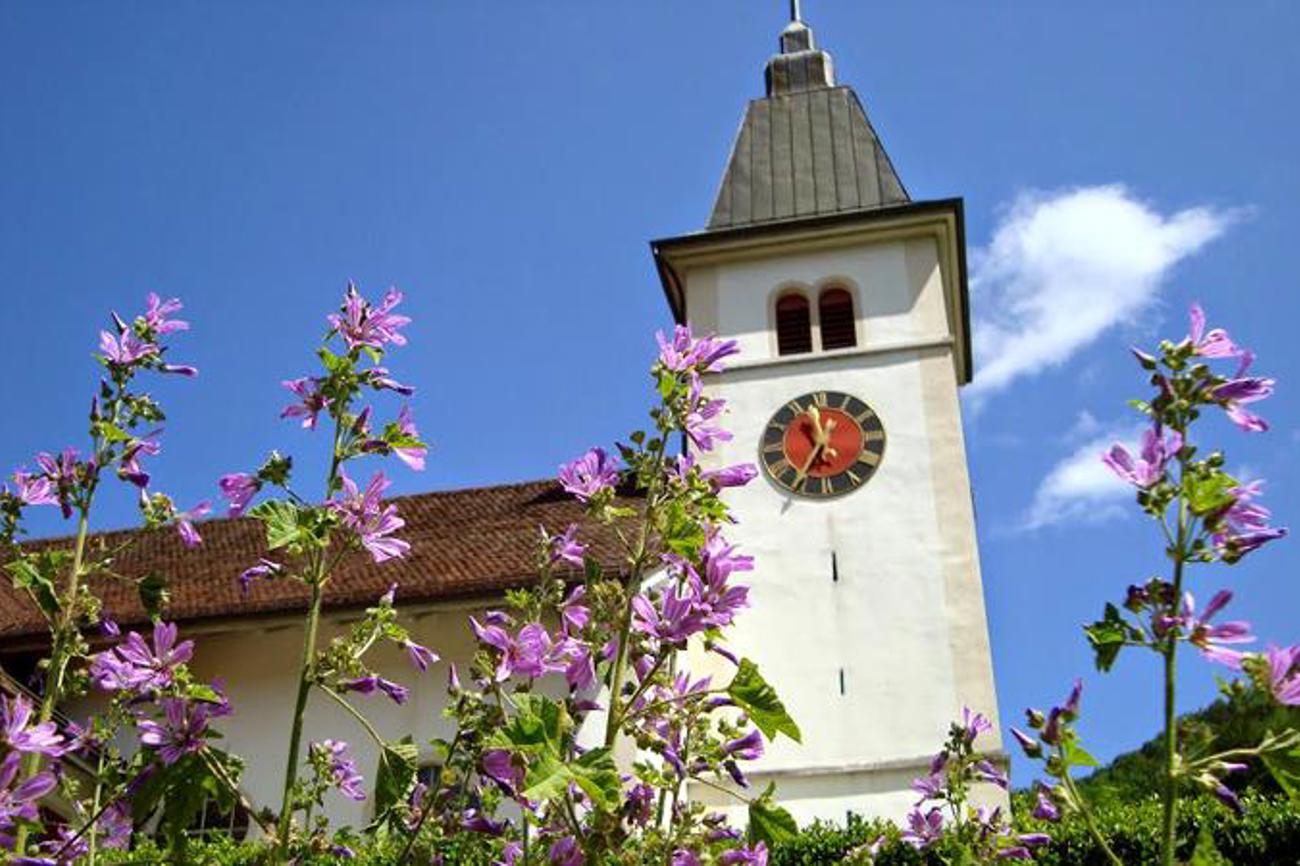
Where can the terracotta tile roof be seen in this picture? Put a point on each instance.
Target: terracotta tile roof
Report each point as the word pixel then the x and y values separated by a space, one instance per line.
pixel 464 543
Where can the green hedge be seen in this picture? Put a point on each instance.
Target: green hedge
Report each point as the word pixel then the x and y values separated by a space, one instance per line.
pixel 1269 833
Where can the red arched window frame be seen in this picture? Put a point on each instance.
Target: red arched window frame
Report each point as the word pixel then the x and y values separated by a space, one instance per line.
pixel 836 318
pixel 793 324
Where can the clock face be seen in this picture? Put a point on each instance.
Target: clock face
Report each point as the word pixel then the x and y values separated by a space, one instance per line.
pixel 822 444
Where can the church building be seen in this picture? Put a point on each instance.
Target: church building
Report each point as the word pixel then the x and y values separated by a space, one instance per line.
pixel 849 303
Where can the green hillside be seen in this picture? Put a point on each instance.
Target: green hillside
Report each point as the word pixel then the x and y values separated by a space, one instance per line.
pixel 1238 722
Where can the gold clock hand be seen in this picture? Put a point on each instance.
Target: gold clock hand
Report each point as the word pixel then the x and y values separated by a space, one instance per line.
pixel 812 458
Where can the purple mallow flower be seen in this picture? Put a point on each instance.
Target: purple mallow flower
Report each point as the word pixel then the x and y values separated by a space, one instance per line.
pixel 185 524
pixel 732 476
pixel 1235 394
pixel 379 379
pixel 923 828
pixel 133 665
pixel 684 352
pixel 341 766
pixel 1149 467
pixel 1211 640
pixel 566 547
pixel 420 656
pixel 265 568
pixel 34 489
pixel 239 488
pixel 1045 808
pixel 20 803
pixel 1243 526
pixel 20 735
pixel 412 455
pixel 130 469
pixel 674 619
pixel 1214 344
pixel 311 402
pixel 565 852
pixel 181 730
pixel 367 516
pixel 370 684
pixel 125 349
pixel 156 312
pixel 590 475
pixel 701 430
pixel 361 324
pixel 1284 674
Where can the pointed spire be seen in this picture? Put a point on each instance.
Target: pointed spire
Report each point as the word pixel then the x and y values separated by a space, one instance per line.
pixel 808 149
pixel 799 66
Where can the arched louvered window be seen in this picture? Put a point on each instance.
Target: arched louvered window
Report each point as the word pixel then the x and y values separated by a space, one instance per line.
pixel 793 324
pixel 835 311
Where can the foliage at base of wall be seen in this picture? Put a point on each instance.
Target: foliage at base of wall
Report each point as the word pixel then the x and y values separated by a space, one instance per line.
pixel 1269 833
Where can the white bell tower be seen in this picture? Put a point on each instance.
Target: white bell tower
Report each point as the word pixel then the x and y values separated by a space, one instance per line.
pixel 868 611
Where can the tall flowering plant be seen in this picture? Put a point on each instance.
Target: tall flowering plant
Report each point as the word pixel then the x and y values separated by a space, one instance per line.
pixel 1205 516
pixel 579 724
pixel 947 821
pixel 308 541
pixel 151 696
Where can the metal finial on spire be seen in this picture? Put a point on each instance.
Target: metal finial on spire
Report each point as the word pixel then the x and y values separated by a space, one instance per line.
pixel 795 14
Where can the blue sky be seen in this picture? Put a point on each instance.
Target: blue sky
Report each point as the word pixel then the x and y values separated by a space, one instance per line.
pixel 505 164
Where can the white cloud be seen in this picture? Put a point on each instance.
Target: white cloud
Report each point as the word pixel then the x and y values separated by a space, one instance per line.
pixel 1065 266
pixel 1080 488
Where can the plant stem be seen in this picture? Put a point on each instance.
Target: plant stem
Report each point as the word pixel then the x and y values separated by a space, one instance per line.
pixel 1169 826
pixel 1086 811
pixel 295 736
pixel 53 690
pixel 360 719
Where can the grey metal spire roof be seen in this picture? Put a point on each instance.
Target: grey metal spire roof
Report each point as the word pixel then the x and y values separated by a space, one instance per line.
pixel 807 148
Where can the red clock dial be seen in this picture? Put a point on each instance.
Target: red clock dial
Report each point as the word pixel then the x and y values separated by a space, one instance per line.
pixel 823 444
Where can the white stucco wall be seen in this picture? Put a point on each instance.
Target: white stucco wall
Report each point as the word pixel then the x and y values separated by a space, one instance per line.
pixel 904 623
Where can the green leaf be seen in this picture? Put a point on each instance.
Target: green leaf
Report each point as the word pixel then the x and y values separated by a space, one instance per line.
pixel 1077 756
pixel 1209 493
pixel 595 773
pixel 153 593
pixel 36 573
pixel 1108 636
pixel 398 763
pixel 281 520
pixel 113 433
pixel 753 695
pixel 1284 764
pixel 768 822
pixel 539 726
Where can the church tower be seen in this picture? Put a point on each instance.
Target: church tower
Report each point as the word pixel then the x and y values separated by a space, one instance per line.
pixel 849 302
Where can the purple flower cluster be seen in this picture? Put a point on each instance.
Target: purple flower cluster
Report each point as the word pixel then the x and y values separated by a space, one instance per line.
pixel 333 756
pixel 685 353
pixel 698 597
pixel 20 735
pixel 183 728
pixel 590 475
pixel 532 652
pixel 1158 448
pixel 372 521
pixel 363 325
pixel 135 665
